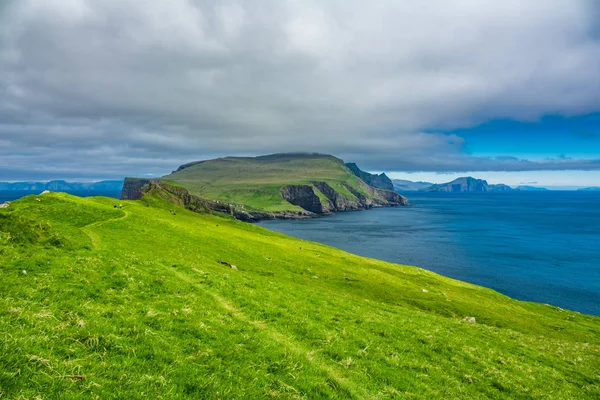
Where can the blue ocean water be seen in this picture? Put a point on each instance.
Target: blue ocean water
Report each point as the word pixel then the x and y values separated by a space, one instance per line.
pixel 11 195
pixel 535 246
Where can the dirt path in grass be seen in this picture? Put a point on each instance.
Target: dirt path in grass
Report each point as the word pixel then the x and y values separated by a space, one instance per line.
pixel 92 235
pixel 298 349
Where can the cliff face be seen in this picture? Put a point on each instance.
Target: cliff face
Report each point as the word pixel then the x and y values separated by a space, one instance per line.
pixel 132 188
pixel 304 196
pixel 135 189
pixel 380 181
pixel 338 201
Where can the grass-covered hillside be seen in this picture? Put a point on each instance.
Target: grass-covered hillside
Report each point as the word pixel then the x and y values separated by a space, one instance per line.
pixel 142 302
pixel 256 182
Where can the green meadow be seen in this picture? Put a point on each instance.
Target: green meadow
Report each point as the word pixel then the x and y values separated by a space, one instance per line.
pixel 142 302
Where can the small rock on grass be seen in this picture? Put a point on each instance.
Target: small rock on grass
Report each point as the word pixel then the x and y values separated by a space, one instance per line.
pixel 228 264
pixel 469 319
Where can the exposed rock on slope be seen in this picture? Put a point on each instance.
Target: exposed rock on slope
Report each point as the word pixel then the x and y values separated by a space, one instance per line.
pixel 380 181
pixel 132 188
pixel 304 196
pixel 136 189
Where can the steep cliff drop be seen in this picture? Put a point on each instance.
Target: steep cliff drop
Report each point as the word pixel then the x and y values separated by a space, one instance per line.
pixel 380 181
pixel 304 196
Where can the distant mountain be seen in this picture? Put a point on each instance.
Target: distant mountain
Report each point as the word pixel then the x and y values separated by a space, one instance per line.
pixel 526 188
pixel 380 181
pixel 403 185
pixel 62 186
pixel 590 189
pixel 468 184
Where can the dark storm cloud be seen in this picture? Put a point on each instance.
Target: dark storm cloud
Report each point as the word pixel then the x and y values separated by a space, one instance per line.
pixel 127 87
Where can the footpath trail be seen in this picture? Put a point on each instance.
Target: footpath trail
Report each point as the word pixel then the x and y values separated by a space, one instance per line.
pixel 334 375
pixel 88 229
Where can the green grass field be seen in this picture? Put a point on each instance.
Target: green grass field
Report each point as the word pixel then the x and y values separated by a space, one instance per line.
pixel 134 302
pixel 255 181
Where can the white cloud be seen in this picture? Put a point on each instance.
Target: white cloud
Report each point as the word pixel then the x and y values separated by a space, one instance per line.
pixel 185 79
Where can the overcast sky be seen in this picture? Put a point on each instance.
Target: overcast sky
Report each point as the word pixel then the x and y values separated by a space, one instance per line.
pixel 108 88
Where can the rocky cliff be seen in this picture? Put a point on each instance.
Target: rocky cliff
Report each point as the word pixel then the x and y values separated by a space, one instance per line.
pixel 135 189
pixel 380 181
pixel 304 196
pixel 132 188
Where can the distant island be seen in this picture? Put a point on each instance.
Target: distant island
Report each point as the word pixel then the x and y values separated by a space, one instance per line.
pixel 276 186
pixel 62 186
pixel 403 185
pixel 468 184
pixel 590 189
pixel 459 185
pixel 531 188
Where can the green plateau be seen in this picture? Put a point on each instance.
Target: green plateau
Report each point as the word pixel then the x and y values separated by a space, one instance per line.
pixel 143 298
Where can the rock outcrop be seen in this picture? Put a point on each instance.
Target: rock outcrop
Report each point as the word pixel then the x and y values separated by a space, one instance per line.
pixel 380 181
pixel 304 196
pixel 338 201
pixel 132 188
pixel 379 197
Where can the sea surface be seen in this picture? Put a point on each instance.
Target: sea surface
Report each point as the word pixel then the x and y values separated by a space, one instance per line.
pixel 11 195
pixel 534 246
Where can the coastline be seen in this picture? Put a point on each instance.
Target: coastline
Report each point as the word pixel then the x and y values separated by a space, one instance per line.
pixel 136 188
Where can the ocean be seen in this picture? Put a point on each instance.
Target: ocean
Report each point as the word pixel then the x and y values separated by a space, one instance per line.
pixel 11 195
pixel 534 246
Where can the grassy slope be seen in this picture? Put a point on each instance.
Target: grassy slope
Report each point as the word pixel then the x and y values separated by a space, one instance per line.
pixel 255 182
pixel 133 302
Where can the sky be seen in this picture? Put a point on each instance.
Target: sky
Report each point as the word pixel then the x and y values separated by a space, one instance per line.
pixel 110 88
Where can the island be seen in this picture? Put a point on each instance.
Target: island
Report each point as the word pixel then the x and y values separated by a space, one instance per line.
pixel 276 186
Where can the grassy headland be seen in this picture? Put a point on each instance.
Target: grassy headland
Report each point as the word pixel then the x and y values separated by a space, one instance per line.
pixel 256 182
pixel 140 302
